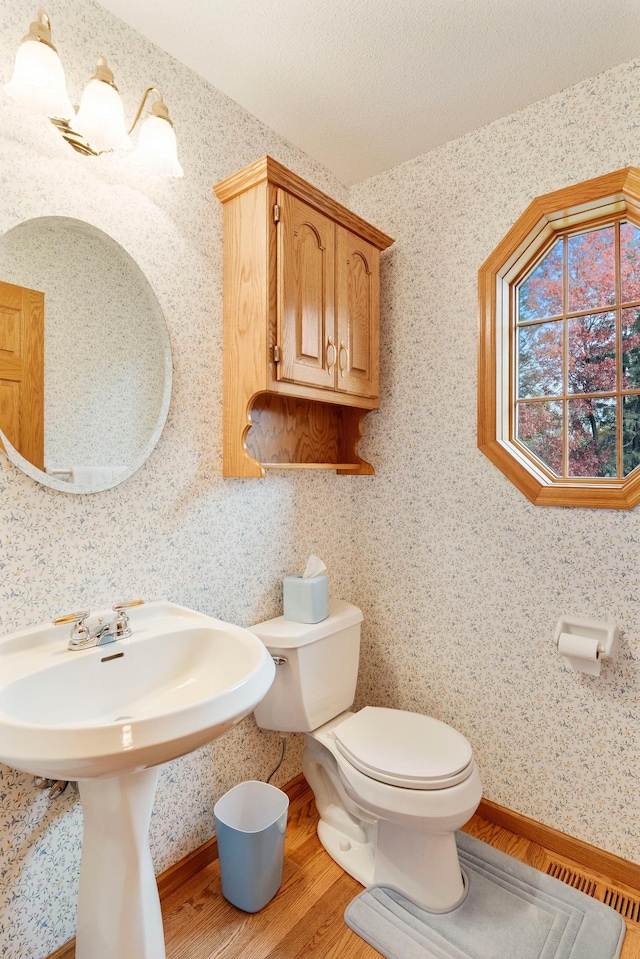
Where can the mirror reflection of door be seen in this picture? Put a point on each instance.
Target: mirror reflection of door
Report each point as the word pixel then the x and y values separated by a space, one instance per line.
pixel 106 352
pixel 22 370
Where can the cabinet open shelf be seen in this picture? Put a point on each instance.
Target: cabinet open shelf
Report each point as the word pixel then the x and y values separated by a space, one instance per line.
pixel 339 467
pixel 292 433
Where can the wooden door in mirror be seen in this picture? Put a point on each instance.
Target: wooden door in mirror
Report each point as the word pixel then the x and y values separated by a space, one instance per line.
pixel 22 370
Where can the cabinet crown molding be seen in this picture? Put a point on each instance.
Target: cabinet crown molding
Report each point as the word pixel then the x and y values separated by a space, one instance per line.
pixel 268 169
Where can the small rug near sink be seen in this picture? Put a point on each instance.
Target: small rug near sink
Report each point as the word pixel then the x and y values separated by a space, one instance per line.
pixel 511 911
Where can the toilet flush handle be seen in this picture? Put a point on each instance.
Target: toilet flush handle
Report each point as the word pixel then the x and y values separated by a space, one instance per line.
pixel 280 660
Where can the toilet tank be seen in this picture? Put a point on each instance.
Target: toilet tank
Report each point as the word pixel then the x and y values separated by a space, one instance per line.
pixel 318 680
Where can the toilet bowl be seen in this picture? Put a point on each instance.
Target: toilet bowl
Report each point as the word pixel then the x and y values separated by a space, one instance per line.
pixel 391 786
pixel 389 834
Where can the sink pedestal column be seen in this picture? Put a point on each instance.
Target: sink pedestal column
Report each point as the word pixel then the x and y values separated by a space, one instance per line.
pixel 118 905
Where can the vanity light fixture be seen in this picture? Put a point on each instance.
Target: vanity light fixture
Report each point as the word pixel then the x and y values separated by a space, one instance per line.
pixel 38 84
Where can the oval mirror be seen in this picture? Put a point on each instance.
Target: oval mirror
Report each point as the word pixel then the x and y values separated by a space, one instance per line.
pixel 85 359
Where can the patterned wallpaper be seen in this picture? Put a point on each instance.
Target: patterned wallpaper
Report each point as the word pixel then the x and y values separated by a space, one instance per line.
pixel 465 580
pixel 175 529
pixel 461 580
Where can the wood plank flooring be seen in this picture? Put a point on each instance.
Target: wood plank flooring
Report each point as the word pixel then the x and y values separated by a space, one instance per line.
pixel 305 918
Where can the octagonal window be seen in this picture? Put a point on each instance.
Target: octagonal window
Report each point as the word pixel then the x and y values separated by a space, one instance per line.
pixel 559 376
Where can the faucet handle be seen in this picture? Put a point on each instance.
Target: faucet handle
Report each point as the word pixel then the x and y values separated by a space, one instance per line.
pixel 77 618
pixel 121 625
pixel 80 632
pixel 134 602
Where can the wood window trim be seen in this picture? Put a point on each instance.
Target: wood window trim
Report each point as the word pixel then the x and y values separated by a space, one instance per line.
pixel 587 204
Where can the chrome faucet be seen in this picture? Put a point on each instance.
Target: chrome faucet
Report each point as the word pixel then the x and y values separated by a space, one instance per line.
pixel 82 637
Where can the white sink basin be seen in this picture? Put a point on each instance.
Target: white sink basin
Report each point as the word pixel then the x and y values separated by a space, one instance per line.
pixel 179 681
pixel 108 715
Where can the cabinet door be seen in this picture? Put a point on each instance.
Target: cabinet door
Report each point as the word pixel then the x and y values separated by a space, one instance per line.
pixel 358 310
pixel 306 299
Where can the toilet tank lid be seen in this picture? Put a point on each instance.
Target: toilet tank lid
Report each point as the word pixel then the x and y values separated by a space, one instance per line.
pixel 285 634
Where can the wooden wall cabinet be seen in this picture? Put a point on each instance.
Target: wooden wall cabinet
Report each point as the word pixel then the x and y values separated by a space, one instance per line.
pixel 301 324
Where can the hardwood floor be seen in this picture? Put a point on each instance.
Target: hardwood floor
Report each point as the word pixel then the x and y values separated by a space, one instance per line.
pixel 305 918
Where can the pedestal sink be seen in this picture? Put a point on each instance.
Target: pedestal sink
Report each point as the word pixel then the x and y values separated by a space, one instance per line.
pixel 108 716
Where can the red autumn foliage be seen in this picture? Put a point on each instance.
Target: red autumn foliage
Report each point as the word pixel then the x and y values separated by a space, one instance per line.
pixel 592 365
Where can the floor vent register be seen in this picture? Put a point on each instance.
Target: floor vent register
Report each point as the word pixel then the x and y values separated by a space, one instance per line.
pixel 623 902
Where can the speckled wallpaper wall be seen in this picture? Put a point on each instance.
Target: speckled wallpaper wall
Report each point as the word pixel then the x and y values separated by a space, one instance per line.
pixel 464 580
pixel 461 580
pixel 175 530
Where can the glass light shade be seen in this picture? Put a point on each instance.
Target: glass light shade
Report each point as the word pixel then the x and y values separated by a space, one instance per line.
pixel 38 82
pixel 156 153
pixel 100 118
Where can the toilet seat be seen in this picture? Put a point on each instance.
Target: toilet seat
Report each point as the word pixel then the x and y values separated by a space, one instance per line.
pixel 405 749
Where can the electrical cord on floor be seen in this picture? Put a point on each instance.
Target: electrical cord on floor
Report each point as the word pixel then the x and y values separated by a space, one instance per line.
pixel 283 737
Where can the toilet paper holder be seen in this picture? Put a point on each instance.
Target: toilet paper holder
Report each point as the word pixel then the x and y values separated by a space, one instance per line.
pixel 606 633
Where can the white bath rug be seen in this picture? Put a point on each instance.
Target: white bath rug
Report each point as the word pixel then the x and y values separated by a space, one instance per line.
pixel 512 911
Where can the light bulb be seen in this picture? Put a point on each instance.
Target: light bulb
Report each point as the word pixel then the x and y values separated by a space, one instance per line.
pixel 156 153
pixel 38 83
pixel 100 118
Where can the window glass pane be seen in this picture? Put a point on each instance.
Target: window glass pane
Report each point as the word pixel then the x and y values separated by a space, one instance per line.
pixel 591 269
pixel 592 353
pixel 630 433
pixel 592 437
pixel 630 262
pixel 630 349
pixel 540 430
pixel 540 296
pixel 540 359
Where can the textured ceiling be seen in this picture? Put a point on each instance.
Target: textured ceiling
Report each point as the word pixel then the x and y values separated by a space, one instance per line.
pixel 363 85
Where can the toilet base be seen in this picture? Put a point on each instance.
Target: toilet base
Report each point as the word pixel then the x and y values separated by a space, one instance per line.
pixel 366 863
pixel 423 866
pixel 417 855
pixel 356 858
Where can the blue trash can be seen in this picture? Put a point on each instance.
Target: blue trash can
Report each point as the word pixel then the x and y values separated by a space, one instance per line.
pixel 251 820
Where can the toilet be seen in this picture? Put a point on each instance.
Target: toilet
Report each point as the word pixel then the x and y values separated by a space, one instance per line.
pixel 391 787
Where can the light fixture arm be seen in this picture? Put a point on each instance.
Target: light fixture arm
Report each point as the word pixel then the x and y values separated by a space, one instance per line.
pixel 159 108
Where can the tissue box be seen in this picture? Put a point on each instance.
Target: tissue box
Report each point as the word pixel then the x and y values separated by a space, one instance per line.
pixel 306 600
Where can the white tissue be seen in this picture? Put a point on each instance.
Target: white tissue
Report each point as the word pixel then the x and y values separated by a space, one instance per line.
pixel 314 567
pixel 580 653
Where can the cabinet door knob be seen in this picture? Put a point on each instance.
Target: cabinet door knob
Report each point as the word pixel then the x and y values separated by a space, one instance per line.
pixel 334 354
pixel 343 366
